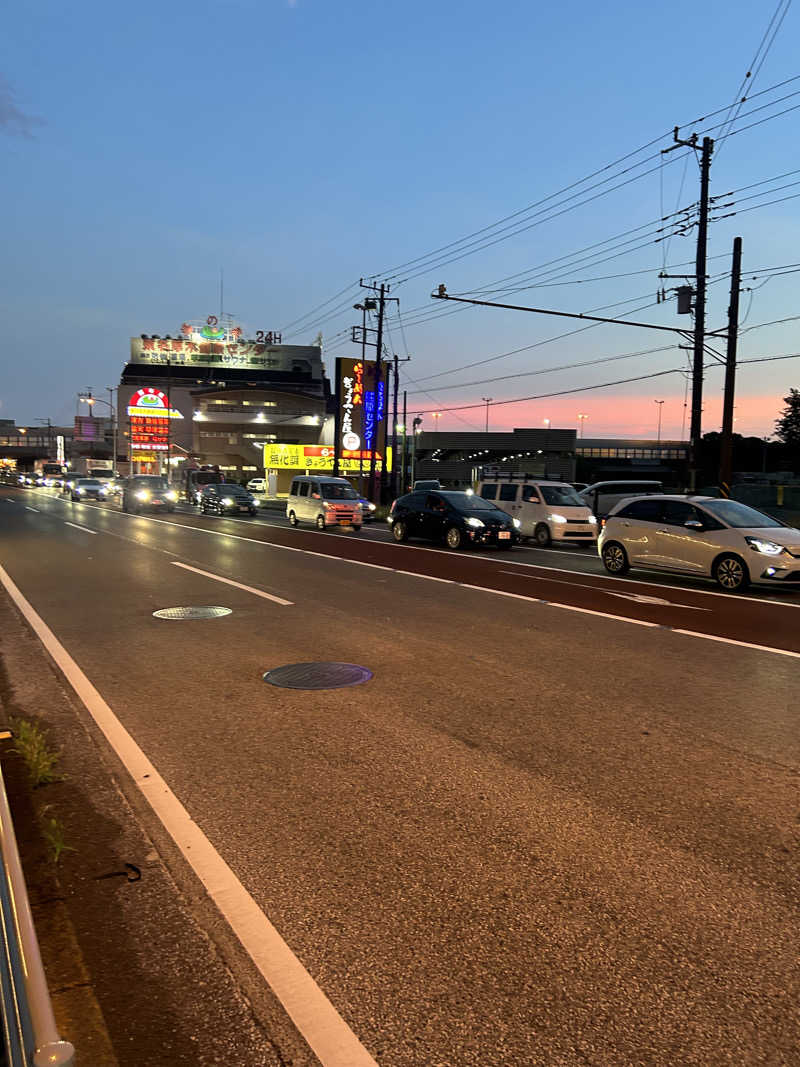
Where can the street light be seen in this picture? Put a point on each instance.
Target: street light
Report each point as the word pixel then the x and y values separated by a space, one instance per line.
pixel 581 420
pixel 91 400
pixel 436 415
pixel 487 401
pixel 660 405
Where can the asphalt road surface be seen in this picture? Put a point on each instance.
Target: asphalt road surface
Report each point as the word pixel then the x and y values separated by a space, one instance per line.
pixel 559 825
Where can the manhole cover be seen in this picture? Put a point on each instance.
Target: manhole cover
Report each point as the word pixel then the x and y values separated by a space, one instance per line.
pixel 191 613
pixel 317 675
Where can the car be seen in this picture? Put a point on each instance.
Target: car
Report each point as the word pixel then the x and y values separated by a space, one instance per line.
pixel 257 485
pixel 227 499
pixel 89 489
pixel 324 500
pixel 151 492
pixel 427 483
pixel 547 511
pixel 601 497
pixel 710 537
pixel 368 509
pixel 456 517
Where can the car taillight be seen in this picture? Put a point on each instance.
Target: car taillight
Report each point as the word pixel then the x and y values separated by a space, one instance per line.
pixel 391 509
pixel 602 523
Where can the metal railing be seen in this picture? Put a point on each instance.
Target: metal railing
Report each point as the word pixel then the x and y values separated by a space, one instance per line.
pixel 29 1027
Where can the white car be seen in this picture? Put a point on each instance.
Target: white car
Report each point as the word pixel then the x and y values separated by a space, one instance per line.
pixel 546 511
pixel 722 539
pixel 257 485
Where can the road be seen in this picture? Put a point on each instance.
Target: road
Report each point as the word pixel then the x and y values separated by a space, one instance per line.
pixel 558 826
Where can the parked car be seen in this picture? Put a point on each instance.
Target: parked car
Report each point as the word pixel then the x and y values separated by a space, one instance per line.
pixel 711 537
pixel 227 499
pixel 547 511
pixel 144 492
pixel 89 489
pixel 325 501
pixel 457 518
pixel 601 497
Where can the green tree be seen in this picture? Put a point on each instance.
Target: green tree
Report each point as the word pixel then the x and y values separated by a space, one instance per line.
pixel 787 427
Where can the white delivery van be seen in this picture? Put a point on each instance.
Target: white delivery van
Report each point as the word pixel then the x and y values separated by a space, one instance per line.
pixel 601 497
pixel 547 511
pixel 325 501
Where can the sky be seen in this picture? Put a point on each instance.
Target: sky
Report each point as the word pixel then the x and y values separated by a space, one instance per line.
pixel 301 145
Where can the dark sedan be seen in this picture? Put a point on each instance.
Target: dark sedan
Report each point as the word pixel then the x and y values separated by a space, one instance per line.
pixel 227 499
pixel 148 492
pixel 458 519
pixel 89 489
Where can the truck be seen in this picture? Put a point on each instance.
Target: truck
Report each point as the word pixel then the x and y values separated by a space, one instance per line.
pixel 193 479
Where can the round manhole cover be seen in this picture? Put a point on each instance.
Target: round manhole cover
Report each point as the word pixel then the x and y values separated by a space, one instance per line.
pixel 317 675
pixel 191 613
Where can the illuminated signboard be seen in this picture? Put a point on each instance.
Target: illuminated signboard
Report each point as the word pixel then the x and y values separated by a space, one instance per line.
pixel 150 414
pixel 318 458
pixel 361 406
pixel 152 403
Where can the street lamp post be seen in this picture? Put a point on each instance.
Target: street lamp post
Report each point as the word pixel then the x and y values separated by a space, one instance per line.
pixel 416 422
pixel 436 415
pixel 581 420
pixel 660 405
pixel 91 400
pixel 487 401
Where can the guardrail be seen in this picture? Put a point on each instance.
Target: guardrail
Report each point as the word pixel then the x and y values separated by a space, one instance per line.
pixel 29 1027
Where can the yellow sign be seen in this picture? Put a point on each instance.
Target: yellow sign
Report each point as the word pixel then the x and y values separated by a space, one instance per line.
pixel 317 458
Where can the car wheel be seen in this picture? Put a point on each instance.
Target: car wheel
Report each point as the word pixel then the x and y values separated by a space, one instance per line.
pixel 615 558
pixel 320 522
pixel 170 510
pixel 453 538
pixel 292 519
pixel 252 511
pixel 541 535
pixel 137 511
pixel 399 531
pixel 731 574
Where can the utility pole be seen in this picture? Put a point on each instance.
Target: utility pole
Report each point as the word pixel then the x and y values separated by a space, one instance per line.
pixel 487 401
pixel 726 444
pixel 381 488
pixel 660 406
pixel 405 450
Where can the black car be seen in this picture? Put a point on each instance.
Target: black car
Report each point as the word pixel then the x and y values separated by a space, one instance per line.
pixel 148 491
pixel 227 499
pixel 457 518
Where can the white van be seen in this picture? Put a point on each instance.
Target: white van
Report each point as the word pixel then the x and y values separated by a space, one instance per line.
pixel 547 511
pixel 602 497
pixel 325 501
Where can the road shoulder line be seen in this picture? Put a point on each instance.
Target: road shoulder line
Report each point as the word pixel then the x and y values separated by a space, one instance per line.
pixel 236 585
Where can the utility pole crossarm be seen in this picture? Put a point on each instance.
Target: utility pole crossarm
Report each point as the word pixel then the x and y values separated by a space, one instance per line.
pixel 442 294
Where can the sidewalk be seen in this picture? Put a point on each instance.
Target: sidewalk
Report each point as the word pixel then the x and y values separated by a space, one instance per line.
pixel 134 976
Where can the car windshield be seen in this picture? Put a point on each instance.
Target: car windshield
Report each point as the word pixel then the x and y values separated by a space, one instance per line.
pixel 469 502
pixel 233 490
pixel 89 483
pixel 153 482
pixel 334 491
pixel 740 516
pixel 564 495
pixel 206 478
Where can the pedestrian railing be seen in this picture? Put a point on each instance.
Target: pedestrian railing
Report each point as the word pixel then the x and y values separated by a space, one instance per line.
pixel 30 1035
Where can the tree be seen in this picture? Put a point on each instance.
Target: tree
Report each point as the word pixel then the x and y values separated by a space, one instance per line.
pixel 787 427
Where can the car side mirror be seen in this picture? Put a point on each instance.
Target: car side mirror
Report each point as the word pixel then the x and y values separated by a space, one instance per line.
pixel 694 524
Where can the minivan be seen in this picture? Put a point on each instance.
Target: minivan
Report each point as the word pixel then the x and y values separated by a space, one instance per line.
pixel 325 501
pixel 546 511
pixel 603 496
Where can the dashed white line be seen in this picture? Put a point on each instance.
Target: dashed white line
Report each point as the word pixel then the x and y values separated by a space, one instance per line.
pixel 29 508
pixel 236 585
pixel 85 529
pixel 325 1031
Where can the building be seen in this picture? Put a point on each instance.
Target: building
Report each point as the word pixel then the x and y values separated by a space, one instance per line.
pixel 456 457
pixel 208 395
pixel 601 459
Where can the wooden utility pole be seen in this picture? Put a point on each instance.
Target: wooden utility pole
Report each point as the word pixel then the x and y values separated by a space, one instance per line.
pixel 726 444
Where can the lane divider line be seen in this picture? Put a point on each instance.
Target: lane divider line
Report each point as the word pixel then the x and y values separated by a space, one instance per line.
pixel 236 585
pixel 639 598
pixel 85 529
pixel 28 508
pixel 325 1031
pixel 741 644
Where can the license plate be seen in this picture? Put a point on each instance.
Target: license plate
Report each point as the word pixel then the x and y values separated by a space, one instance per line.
pixel 243 507
pixel 504 535
pixel 156 503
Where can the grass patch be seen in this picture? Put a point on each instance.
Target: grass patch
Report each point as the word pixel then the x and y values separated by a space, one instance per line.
pixel 53 832
pixel 40 759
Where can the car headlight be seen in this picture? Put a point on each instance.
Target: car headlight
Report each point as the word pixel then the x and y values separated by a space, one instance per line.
pixel 227 501
pixel 517 523
pixel 592 520
pixel 558 518
pixel 767 548
pixel 80 490
pixel 105 490
pixel 372 507
pixel 475 523
pixel 172 495
pixel 143 494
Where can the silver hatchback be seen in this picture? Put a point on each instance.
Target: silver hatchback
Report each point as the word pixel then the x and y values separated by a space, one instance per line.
pixel 716 538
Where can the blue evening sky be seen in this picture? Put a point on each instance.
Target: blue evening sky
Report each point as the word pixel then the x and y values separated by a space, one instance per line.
pixel 301 144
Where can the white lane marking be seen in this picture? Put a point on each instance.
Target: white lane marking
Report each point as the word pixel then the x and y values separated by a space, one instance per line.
pixel 487 589
pixel 566 607
pixel 29 508
pixel 236 585
pixel 741 644
pixel 85 529
pixel 637 598
pixel 327 1034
